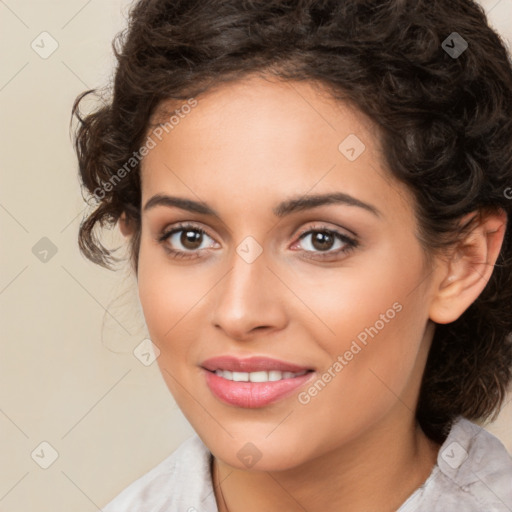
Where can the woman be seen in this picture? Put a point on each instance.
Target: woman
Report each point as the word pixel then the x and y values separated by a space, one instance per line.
pixel 316 196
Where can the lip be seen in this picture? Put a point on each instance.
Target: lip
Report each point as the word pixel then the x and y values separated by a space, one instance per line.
pixel 250 364
pixel 252 395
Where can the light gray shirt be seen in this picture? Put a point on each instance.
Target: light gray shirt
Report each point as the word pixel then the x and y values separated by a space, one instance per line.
pixel 473 473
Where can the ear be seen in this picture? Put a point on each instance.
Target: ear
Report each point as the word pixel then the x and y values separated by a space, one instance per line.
pixel 125 226
pixel 464 275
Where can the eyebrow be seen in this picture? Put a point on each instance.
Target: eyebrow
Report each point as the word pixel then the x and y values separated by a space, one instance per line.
pixel 295 204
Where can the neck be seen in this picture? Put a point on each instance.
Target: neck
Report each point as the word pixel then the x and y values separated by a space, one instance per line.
pixel 378 471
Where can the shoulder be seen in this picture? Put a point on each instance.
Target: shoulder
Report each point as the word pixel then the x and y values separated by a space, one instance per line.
pixel 181 482
pixel 473 473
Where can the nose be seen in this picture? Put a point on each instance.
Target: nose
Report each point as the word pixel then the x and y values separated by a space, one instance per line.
pixel 249 299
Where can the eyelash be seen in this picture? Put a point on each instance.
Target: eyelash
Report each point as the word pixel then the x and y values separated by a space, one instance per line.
pixel 350 243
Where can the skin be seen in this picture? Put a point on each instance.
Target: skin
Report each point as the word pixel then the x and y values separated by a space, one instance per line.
pixel 244 148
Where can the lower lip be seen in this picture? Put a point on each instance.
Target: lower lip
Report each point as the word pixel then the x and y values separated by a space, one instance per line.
pixel 252 395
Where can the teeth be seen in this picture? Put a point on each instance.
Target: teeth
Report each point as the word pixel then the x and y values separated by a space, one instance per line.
pixel 274 375
pixel 258 376
pixel 263 376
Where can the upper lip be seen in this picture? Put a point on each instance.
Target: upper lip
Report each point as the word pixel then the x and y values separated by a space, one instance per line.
pixel 250 364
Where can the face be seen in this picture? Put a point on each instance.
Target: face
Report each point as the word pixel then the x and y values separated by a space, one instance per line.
pixel 266 265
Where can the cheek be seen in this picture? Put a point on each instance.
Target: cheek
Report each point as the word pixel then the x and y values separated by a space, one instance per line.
pixel 171 297
pixel 161 294
pixel 373 316
pixel 348 300
pixel 372 361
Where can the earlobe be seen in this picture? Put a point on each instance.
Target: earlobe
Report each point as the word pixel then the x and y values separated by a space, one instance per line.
pixel 468 269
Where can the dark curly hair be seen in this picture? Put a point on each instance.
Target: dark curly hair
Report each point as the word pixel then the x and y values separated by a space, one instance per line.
pixel 444 122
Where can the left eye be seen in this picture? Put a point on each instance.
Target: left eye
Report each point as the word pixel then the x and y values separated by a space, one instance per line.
pixel 326 241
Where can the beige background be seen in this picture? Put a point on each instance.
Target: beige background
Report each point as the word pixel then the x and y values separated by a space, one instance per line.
pixel 68 373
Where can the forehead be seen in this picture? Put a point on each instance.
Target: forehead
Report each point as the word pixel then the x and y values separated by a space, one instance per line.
pixel 270 136
pixel 262 105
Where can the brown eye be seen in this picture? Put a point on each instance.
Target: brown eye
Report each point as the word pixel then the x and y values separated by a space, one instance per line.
pixel 321 243
pixel 322 240
pixel 191 239
pixel 185 240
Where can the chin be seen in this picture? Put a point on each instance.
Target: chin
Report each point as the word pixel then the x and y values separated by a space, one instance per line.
pixel 254 450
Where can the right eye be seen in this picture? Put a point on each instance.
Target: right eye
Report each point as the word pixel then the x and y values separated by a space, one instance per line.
pixel 190 237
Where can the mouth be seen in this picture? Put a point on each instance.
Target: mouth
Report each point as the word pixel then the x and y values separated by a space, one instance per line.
pixel 253 382
pixel 254 364
pixel 261 376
